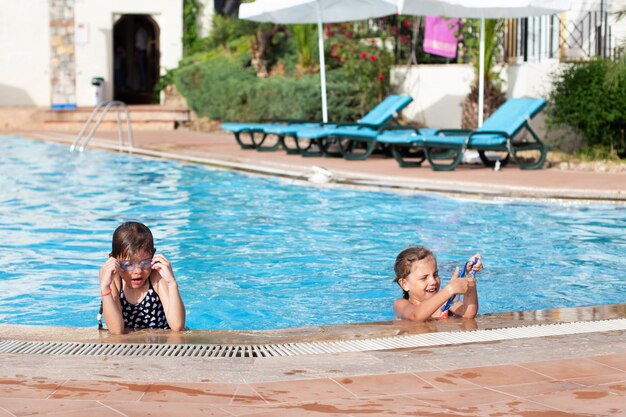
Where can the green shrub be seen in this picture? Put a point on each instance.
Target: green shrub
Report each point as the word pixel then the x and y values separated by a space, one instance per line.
pixel 363 61
pixel 592 101
pixel 191 36
pixel 224 87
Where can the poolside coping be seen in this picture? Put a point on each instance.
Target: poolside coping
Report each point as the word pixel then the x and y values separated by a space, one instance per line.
pixel 568 375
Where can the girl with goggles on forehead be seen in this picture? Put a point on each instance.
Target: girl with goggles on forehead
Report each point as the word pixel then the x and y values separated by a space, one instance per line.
pixel 138 288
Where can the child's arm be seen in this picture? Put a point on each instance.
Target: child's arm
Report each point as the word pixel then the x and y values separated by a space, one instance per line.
pixel 469 307
pixel 403 309
pixel 111 306
pixel 167 288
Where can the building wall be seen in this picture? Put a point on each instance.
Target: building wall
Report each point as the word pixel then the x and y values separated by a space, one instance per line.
pixel 205 20
pixel 25 45
pixel 94 58
pixel 27 71
pixel 438 90
pixel 62 57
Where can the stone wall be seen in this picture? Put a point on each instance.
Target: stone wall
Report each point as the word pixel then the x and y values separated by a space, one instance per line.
pixel 62 54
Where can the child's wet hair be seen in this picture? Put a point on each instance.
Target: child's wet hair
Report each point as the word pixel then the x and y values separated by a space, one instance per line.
pixel 405 260
pixel 131 238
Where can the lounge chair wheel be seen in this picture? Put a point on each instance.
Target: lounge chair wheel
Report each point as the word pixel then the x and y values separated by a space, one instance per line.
pixel 491 162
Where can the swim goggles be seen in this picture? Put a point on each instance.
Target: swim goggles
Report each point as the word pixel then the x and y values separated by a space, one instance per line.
pixel 131 265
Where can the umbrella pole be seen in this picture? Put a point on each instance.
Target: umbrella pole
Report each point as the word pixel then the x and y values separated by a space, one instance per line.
pixel 320 41
pixel 481 74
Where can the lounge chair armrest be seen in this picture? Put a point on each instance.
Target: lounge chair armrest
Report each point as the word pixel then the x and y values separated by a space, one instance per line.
pixel 359 125
pixel 490 132
pixel 399 127
pixel 453 132
pixel 292 121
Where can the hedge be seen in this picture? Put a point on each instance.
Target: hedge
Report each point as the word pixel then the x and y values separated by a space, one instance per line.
pixel 591 98
pixel 225 88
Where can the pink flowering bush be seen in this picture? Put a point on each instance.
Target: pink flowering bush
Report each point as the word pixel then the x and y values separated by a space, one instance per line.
pixel 363 61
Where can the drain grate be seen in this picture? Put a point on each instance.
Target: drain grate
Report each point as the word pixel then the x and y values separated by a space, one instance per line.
pixel 307 348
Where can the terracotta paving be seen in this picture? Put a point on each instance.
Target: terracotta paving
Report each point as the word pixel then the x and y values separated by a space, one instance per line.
pixel 589 386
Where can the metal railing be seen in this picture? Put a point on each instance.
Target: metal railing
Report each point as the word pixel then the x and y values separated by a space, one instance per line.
pixel 81 141
pixel 533 39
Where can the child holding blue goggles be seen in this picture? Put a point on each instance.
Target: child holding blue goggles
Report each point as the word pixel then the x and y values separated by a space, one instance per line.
pixel 418 276
pixel 137 285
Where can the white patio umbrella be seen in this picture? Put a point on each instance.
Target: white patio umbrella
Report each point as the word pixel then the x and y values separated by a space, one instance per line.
pixel 316 11
pixel 482 9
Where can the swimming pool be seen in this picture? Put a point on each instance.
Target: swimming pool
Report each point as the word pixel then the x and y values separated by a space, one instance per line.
pixel 259 253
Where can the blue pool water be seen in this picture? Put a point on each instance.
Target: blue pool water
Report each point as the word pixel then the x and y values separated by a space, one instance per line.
pixel 258 253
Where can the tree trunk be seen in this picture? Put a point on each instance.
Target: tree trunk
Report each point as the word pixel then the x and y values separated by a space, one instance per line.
pixel 494 98
pixel 260 46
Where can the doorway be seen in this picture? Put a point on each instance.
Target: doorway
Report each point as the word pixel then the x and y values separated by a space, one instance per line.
pixel 135 59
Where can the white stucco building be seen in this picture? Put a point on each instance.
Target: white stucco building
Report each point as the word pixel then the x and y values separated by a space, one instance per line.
pixel 539 47
pixel 51 49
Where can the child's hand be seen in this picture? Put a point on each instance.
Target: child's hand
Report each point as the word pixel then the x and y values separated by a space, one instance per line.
pixel 107 272
pixel 163 266
pixel 477 267
pixel 457 285
pixel 471 283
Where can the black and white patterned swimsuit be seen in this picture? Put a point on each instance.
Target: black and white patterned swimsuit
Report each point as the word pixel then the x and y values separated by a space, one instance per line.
pixel 148 314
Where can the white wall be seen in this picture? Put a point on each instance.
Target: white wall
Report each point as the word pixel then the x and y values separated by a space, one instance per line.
pixel 25 45
pixel 205 20
pixel 25 53
pixel 95 58
pixel 530 79
pixel 438 90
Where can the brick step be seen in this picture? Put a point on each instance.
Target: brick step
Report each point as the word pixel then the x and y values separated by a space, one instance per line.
pixel 106 125
pixel 137 114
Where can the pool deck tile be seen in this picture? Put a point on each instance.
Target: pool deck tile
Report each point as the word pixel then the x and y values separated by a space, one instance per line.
pixel 614 361
pixel 99 390
pixel 302 390
pixel 169 409
pixel 446 381
pixel 206 393
pixel 35 388
pixel 49 407
pixel 584 400
pixel 463 398
pixel 473 391
pixel 493 376
pixel 398 384
pixel 571 368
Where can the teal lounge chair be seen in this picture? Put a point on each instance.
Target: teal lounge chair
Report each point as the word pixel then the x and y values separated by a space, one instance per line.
pixel 348 136
pixel 406 144
pixel 498 133
pixel 380 115
pixel 254 135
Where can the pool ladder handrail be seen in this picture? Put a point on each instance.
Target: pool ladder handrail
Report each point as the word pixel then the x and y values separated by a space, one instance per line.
pixel 81 141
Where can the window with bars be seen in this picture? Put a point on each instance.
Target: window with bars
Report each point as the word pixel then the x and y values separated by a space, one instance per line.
pixel 582 38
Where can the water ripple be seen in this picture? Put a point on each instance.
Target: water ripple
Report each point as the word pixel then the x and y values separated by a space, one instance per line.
pixel 253 253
